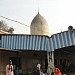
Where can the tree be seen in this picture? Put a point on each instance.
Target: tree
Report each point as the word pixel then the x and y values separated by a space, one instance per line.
pixel 11 30
pixel 3 26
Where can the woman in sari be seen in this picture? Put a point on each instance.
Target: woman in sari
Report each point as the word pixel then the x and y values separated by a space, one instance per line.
pixel 9 68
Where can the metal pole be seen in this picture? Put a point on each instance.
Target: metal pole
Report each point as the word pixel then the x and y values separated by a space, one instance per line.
pixel 53 57
pixel 48 56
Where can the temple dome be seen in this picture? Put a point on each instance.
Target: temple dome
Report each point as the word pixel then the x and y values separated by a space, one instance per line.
pixel 39 26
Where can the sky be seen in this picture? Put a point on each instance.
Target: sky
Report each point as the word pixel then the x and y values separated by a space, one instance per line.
pixel 59 14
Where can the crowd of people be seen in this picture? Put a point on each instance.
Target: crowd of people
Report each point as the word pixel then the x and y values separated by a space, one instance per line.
pixel 51 70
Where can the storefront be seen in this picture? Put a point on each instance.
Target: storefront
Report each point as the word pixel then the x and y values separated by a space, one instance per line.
pixel 28 50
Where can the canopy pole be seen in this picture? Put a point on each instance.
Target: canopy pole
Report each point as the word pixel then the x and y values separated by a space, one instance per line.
pixel 50 57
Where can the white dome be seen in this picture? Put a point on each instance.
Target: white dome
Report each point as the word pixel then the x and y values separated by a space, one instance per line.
pixel 39 26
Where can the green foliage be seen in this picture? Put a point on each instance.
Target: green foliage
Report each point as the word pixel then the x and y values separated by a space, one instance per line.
pixel 3 26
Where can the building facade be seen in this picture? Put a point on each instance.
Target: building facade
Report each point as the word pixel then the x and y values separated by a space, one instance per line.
pixel 28 50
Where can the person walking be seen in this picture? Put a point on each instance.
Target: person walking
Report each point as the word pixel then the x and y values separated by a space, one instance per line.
pixel 39 71
pixel 50 69
pixel 9 68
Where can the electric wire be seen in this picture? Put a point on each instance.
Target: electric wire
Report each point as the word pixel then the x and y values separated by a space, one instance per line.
pixel 14 21
pixel 22 23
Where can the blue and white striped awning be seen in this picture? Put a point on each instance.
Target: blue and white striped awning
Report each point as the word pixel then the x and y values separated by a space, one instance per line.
pixel 25 42
pixel 63 39
pixel 38 42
